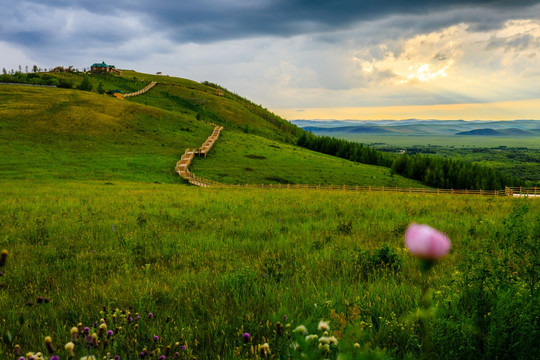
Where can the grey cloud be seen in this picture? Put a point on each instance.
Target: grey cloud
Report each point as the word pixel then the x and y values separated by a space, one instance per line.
pixel 440 57
pixel 516 43
pixel 207 21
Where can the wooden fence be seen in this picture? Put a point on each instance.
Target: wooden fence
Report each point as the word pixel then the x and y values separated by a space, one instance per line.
pixel 142 91
pixel 391 189
pixel 522 191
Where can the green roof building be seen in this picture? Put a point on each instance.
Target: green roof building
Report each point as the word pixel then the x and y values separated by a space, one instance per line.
pixel 103 68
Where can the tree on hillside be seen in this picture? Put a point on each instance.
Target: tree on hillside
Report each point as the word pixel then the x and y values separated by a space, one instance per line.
pixel 100 88
pixel 65 83
pixel 35 69
pixel 86 85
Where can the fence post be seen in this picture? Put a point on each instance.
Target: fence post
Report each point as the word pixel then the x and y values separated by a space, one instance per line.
pixel 383 189
pixel 369 188
pixel 438 191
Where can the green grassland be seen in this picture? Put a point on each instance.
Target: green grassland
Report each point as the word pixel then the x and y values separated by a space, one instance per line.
pixel 240 159
pixel 211 264
pixel 449 141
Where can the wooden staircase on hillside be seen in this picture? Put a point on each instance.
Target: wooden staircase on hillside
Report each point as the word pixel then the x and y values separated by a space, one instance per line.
pixel 183 164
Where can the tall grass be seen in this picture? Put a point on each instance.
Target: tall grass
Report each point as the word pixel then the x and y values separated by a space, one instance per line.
pixel 213 264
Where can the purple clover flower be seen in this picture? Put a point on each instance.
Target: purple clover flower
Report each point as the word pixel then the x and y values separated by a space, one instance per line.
pixel 156 338
pixel 150 315
pixel 246 337
pixel 110 333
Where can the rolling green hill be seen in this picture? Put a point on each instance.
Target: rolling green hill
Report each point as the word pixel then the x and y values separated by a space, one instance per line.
pixel 71 134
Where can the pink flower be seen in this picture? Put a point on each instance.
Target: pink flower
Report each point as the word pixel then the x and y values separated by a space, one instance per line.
pixel 426 242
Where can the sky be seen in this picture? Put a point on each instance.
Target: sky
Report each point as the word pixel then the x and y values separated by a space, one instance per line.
pixel 304 59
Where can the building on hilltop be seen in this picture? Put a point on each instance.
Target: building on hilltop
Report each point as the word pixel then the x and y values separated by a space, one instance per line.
pixel 104 68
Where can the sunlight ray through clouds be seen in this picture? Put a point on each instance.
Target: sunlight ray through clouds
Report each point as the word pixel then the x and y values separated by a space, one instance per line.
pixel 424 58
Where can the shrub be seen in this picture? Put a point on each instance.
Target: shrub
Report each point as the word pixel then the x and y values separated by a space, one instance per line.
pixel 368 261
pixel 86 85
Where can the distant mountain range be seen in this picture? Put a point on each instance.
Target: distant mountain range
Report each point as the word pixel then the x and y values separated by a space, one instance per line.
pixel 422 127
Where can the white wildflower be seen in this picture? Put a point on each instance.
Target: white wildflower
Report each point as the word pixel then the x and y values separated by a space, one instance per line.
pixel 311 338
pixel 300 329
pixel 323 326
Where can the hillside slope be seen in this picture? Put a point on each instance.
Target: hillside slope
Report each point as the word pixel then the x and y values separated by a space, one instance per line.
pixel 49 133
pixel 205 101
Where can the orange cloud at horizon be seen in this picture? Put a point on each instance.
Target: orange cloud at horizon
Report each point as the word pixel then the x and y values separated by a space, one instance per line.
pixel 503 110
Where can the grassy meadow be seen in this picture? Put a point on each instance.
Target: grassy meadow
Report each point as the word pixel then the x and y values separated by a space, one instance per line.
pixel 201 267
pixel 110 252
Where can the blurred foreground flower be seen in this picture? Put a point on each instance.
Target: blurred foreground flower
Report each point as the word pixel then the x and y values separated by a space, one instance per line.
pixel 426 242
pixel 429 245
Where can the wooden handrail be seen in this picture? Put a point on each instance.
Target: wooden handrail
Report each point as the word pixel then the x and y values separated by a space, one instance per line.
pixel 142 91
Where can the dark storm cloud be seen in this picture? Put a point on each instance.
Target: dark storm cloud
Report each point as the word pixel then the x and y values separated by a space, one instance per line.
pixel 203 21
